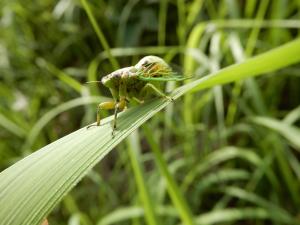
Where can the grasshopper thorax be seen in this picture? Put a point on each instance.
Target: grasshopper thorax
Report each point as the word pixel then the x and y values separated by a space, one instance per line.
pixel 112 80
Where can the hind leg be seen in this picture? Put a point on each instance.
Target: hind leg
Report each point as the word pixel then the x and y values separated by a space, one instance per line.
pixel 150 88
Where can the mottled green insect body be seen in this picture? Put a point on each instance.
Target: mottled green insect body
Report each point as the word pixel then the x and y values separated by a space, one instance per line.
pixel 136 83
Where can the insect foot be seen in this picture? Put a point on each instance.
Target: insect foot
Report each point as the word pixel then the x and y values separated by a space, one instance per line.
pixel 91 125
pixel 113 133
pixel 169 98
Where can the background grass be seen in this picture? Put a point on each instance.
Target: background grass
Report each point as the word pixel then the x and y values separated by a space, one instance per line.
pixel 231 151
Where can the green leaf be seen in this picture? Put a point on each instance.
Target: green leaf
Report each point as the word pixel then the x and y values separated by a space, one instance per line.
pixel 31 188
pixel 276 212
pixel 144 194
pixel 130 212
pixel 234 214
pixel 291 133
pixel 11 126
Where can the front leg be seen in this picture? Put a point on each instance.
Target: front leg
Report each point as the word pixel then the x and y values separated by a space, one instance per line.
pixel 103 105
pixel 118 106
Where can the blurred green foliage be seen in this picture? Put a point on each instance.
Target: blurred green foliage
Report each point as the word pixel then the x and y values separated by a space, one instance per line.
pixel 48 49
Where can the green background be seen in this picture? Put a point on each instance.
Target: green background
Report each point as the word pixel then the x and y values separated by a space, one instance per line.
pixel 223 158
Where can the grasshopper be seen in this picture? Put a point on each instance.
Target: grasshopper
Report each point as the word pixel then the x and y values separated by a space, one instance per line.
pixel 135 83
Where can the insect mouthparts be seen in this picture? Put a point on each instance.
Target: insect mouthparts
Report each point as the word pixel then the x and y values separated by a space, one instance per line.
pixel 103 81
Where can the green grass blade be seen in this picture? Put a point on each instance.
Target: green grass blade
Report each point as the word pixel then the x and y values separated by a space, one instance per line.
pixel 220 177
pixel 234 214
pixel 263 6
pixel 11 126
pixel 291 133
pixel 272 60
pixel 173 189
pixel 67 79
pixel 217 157
pixel 134 155
pixel 100 34
pixel 120 215
pixel 215 58
pixel 278 213
pixel 126 213
pixel 292 116
pixel 163 6
pixel 31 188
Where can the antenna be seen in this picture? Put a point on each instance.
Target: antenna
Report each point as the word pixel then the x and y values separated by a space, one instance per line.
pixel 94 81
